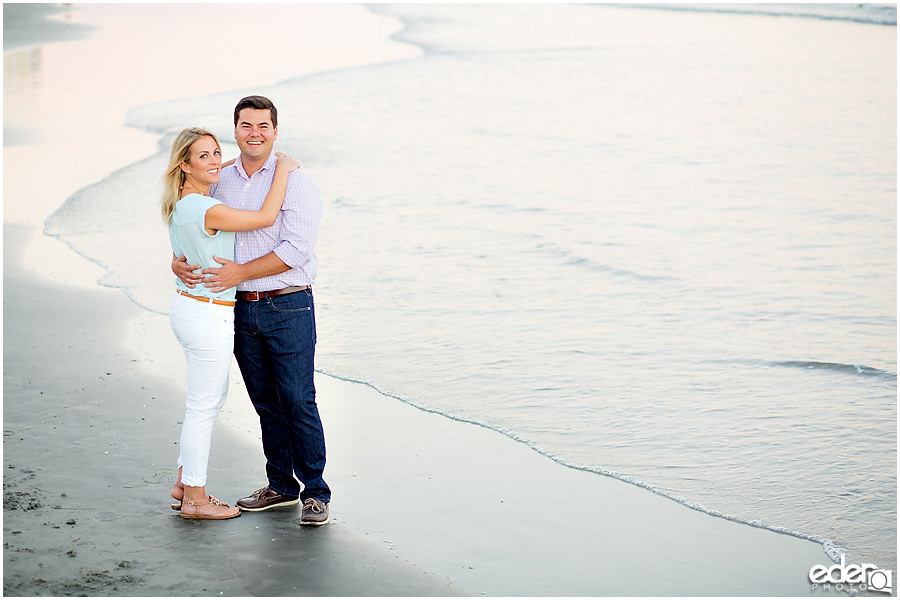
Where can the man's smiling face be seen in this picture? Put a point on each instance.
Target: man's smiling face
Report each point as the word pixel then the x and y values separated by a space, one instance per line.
pixel 254 133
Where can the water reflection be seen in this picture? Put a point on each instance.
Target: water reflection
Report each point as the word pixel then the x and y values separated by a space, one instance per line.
pixel 21 88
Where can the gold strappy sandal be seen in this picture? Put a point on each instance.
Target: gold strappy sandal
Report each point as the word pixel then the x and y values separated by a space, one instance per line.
pixel 196 505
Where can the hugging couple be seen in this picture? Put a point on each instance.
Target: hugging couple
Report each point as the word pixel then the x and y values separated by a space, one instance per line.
pixel 243 237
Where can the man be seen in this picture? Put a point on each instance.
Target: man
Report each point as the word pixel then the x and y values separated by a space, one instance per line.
pixel 274 317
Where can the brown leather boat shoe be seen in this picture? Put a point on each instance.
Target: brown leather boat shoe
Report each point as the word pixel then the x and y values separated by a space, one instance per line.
pixel 264 499
pixel 315 512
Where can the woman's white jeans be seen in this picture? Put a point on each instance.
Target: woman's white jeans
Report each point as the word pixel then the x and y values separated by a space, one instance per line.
pixel 206 334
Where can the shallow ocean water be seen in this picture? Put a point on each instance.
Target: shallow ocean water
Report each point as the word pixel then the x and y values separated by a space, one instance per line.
pixel 656 245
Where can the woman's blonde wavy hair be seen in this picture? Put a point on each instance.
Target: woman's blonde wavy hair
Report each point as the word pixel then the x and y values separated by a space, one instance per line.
pixel 173 178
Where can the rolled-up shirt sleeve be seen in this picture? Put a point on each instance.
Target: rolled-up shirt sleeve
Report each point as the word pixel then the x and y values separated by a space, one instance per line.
pixel 300 217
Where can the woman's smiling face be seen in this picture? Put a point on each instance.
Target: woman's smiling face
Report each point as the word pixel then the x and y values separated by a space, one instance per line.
pixel 205 161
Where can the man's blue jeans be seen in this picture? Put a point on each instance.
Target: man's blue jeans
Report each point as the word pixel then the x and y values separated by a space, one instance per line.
pixel 275 347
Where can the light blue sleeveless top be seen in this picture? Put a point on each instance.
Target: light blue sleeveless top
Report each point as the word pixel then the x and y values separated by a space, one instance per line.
pixel 188 236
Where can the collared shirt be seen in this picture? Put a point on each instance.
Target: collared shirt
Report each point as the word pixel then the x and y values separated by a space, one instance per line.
pixel 292 237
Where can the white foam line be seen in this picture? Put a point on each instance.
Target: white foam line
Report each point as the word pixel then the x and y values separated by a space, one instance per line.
pixel 831 550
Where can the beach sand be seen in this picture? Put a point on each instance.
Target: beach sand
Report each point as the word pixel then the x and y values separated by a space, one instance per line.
pixel 423 505
pixel 87 451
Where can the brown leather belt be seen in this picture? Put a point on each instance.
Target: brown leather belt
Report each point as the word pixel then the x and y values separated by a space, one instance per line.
pixel 254 296
pixel 207 300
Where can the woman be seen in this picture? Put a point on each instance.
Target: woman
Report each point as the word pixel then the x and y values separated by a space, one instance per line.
pixel 201 227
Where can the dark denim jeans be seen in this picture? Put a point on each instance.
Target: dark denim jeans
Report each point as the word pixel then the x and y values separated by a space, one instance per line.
pixel 275 347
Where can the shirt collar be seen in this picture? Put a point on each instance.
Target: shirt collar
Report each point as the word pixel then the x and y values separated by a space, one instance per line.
pixel 269 164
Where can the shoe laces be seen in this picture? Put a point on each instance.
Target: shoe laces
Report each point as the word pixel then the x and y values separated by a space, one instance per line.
pixel 313 505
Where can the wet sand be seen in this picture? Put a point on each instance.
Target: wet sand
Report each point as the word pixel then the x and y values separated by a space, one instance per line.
pixel 87 441
pixel 423 505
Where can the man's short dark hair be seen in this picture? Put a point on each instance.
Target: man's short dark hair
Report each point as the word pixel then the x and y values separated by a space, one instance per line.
pixel 257 103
